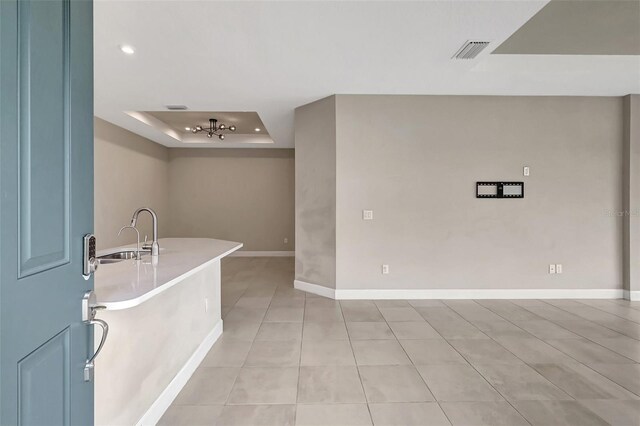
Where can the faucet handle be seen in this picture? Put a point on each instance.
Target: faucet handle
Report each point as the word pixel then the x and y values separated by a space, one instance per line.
pixel 146 245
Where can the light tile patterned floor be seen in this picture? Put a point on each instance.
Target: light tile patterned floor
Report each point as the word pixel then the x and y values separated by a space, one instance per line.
pixel 290 358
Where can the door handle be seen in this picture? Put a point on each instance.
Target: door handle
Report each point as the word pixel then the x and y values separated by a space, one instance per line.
pixel 89 310
pixel 89 364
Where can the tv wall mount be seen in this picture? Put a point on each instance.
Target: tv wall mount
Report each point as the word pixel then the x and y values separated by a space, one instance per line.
pixel 499 189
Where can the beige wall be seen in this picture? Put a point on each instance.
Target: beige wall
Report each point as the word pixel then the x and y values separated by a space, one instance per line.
pixel 414 160
pixel 129 172
pixel 315 135
pixel 244 195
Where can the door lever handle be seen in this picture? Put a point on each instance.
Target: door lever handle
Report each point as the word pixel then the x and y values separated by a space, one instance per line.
pixel 89 310
pixel 90 363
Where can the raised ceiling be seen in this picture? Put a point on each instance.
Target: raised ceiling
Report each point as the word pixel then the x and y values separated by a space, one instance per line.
pixel 593 27
pixel 271 57
pixel 178 124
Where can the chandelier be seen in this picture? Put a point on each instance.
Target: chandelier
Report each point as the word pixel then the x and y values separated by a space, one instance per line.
pixel 213 129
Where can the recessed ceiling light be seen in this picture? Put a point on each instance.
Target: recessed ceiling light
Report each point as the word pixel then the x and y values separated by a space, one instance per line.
pixel 129 50
pixel 257 129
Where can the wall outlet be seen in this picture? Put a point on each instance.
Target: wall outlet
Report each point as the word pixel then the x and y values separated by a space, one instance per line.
pixel 367 214
pixel 552 269
pixel 525 170
pixel 385 269
pixel 558 268
pixel 286 240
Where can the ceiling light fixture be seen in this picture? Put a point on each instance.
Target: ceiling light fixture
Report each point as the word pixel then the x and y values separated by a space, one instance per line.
pixel 129 50
pixel 213 129
pixel 188 129
pixel 257 129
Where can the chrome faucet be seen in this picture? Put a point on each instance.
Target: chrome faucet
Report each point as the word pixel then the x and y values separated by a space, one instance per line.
pixel 153 246
pixel 137 241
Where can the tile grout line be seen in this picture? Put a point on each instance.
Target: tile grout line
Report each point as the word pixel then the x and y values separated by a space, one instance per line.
pixel 414 365
pixel 600 324
pixel 523 361
pixel 475 369
pixel 353 353
pixel 583 336
pixel 607 312
pixel 588 366
pixel 250 347
pixel 406 354
pixel 295 411
pixel 558 349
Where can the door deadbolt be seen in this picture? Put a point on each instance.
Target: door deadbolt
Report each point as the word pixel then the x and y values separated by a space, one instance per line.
pixel 90 262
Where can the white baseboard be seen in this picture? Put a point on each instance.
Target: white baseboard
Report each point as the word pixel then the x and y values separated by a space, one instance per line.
pixel 633 296
pixel 480 294
pixel 315 289
pixel 160 405
pixel 373 294
pixel 247 253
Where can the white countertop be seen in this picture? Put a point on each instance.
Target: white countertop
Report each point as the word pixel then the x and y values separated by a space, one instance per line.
pixel 129 283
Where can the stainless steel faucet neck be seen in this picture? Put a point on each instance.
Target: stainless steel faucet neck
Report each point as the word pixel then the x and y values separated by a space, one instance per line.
pixel 154 246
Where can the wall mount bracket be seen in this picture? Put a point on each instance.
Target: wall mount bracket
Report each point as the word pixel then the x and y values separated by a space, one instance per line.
pixel 499 189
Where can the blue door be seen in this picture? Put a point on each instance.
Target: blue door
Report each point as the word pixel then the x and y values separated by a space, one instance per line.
pixel 46 206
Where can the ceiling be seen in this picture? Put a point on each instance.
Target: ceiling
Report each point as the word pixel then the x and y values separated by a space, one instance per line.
pixel 271 57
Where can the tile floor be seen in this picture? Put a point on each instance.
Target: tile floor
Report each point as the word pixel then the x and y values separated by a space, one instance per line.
pixel 290 358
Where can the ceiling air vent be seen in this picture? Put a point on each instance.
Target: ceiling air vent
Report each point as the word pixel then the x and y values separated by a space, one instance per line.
pixel 176 107
pixel 470 49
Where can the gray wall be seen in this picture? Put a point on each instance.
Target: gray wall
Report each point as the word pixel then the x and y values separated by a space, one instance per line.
pixel 129 172
pixel 315 203
pixel 244 195
pixel 631 188
pixel 414 160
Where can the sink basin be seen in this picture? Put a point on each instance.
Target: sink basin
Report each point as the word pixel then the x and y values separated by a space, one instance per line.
pixel 118 256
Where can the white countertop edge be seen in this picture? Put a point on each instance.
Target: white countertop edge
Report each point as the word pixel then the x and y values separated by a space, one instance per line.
pixel 126 304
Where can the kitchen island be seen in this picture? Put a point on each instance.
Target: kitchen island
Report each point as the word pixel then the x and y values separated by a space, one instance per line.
pixel 164 315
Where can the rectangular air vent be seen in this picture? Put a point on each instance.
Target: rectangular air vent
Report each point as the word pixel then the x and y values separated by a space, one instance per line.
pixel 470 49
pixel 176 107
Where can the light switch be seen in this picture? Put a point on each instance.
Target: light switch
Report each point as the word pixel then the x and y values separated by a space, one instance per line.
pixel 367 214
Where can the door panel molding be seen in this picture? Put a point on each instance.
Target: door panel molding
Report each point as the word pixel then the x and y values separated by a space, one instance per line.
pixel 43 135
pixel 43 385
